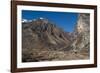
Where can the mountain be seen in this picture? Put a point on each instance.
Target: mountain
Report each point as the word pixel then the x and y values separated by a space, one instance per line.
pixel 45 34
pixel 43 40
pixel 82 40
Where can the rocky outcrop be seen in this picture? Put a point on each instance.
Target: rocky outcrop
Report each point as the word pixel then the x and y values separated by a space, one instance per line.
pixel 82 39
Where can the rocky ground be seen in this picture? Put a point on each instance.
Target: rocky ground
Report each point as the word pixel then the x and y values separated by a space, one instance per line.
pixel 44 55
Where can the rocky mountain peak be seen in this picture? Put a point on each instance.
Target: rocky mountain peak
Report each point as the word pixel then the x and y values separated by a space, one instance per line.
pixel 41 20
pixel 46 33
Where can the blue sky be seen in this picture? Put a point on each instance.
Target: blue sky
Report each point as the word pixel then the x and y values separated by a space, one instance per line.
pixel 64 20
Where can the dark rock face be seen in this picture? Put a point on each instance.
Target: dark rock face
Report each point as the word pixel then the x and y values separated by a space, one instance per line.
pixel 41 37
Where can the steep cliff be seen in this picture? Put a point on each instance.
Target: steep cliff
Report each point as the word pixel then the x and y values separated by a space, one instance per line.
pixel 82 40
